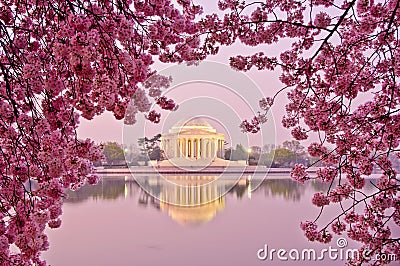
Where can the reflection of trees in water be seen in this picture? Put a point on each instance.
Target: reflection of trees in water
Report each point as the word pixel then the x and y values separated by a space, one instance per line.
pixel 110 189
pixel 106 189
pixel 287 188
pixel 370 185
pixel 319 186
pixel 145 198
pixel 239 190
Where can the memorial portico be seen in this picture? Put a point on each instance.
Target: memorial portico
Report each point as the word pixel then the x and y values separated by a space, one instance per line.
pixel 193 139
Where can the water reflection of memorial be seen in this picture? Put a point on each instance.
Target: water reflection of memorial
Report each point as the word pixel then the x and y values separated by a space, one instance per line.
pixel 187 199
pixel 193 190
pixel 196 199
pixel 194 215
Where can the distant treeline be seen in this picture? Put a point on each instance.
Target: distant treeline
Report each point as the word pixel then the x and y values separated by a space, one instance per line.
pixel 285 155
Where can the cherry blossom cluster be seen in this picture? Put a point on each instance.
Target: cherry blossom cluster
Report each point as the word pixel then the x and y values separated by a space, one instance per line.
pixel 313 234
pixel 327 174
pixel 166 104
pixel 154 117
pixel 320 199
pixel 299 173
pixel 338 227
pixel 340 192
pixel 253 126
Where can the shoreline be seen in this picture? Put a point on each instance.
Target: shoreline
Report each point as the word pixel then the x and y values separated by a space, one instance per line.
pixel 208 170
pixel 243 171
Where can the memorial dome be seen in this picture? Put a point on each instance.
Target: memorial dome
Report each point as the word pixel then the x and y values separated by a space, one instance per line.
pixel 195 123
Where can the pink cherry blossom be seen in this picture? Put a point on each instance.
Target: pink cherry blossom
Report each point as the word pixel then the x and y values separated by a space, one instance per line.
pixel 153 116
pixel 338 227
pixel 299 173
pixel 322 20
pixel 310 230
pixel 327 174
pixel 319 199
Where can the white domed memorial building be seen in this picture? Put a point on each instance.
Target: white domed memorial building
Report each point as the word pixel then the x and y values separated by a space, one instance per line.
pixel 193 142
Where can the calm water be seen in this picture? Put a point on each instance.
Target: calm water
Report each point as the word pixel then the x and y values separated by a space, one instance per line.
pixel 117 223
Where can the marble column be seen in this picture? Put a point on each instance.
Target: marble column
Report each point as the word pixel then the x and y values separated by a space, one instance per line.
pixel 221 148
pixel 218 147
pixel 198 148
pixel 195 148
pixel 202 148
pixel 192 148
pixel 187 148
pixel 208 148
pixel 184 153
pixel 213 148
pixel 181 147
pixel 175 148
